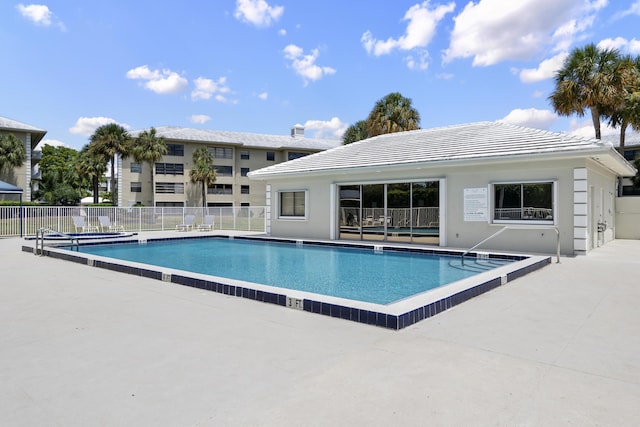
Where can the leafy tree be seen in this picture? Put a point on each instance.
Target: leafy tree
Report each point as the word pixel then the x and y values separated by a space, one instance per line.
pixel 92 167
pixel 60 183
pixel 393 113
pixel 590 78
pixel 12 152
pixel 150 148
pixel 203 171
pixel 110 141
pixel 356 132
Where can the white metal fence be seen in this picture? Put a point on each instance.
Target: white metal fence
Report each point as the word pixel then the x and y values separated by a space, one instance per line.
pixel 15 223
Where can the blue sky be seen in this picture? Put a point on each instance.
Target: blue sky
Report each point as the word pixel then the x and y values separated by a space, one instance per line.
pixel 260 66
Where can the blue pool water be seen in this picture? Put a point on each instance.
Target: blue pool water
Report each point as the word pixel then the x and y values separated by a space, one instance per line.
pixel 352 273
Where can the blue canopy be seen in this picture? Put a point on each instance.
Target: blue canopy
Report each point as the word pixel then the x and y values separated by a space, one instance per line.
pixel 6 188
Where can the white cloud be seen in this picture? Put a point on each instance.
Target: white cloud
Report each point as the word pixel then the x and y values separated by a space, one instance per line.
pixel 263 96
pixel 420 61
pixel 39 14
pixel 545 70
pixel 257 12
pixel 86 126
pixel 531 117
pixel 333 129
pixel 634 9
pixel 584 128
pixel 199 118
pixel 538 94
pixel 631 46
pixel 206 88
pixel 305 65
pixel 51 142
pixel 161 82
pixel 491 31
pixel 282 32
pixel 418 34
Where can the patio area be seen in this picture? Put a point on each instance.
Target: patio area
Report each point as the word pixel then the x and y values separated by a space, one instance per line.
pixel 86 346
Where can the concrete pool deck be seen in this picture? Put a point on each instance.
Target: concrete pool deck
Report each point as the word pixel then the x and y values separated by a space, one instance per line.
pixel 86 346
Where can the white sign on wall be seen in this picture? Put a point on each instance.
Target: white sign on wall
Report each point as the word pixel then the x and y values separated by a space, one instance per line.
pixel 475 204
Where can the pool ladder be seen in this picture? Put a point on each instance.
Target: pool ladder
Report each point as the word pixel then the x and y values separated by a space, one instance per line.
pixel 40 233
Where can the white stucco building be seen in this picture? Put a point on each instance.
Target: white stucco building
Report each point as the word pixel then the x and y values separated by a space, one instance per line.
pixel 453 186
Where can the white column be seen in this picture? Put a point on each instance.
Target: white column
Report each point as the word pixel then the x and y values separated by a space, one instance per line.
pixel 267 210
pixel 580 210
pixel 26 193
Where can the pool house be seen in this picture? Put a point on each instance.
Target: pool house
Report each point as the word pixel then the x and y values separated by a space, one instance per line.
pixel 526 190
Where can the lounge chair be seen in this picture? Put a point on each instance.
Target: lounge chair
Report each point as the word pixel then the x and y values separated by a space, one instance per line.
pixel 80 223
pixel 188 223
pixel 207 224
pixel 105 224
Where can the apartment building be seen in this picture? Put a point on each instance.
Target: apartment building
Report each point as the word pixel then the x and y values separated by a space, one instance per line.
pixel 24 175
pixel 235 155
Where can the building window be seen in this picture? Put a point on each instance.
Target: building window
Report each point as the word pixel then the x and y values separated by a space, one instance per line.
pixel 271 156
pixel 175 150
pixel 291 155
pixel 221 152
pixel 220 189
pixel 136 187
pixel 244 155
pixel 169 188
pixel 530 201
pixel 244 189
pixel 293 204
pixel 244 171
pixel 169 169
pixel 136 168
pixel 224 170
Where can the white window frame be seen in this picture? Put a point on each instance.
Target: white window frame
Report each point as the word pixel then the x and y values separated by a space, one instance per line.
pixel 554 203
pixel 293 217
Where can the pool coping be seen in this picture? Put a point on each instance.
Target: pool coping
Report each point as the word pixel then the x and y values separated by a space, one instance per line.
pixel 397 315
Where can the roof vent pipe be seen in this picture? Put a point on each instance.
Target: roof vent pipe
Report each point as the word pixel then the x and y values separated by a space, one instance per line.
pixel 297 130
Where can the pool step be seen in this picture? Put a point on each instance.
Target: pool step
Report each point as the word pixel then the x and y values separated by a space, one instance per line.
pixel 478 264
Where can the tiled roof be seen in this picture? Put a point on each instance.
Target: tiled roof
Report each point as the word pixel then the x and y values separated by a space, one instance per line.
pixel 465 142
pixel 13 125
pixel 243 138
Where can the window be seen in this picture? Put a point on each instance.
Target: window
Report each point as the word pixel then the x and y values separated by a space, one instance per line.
pixel 175 150
pixel 136 168
pixel 221 152
pixel 169 169
pixel 244 171
pixel 220 189
pixel 136 187
pixel 531 201
pixel 169 188
pixel 291 155
pixel 244 155
pixel 244 189
pixel 224 170
pixel 293 204
pixel 271 156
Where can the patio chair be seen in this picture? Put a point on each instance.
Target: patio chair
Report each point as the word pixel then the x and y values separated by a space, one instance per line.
pixel 207 224
pixel 188 223
pixel 80 223
pixel 105 224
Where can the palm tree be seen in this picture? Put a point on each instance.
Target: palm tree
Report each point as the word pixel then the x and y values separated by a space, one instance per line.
pixel 93 168
pixel 12 152
pixel 393 113
pixel 356 132
pixel 110 141
pixel 148 147
pixel 203 171
pixel 628 112
pixel 590 78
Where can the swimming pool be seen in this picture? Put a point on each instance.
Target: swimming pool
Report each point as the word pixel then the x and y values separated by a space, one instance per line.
pixel 355 273
pixel 401 311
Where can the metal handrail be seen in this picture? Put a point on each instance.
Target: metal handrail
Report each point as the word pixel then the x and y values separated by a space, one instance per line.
pixel 521 228
pixel 40 232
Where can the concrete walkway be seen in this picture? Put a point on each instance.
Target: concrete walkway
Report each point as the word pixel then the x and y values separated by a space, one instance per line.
pixel 80 346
